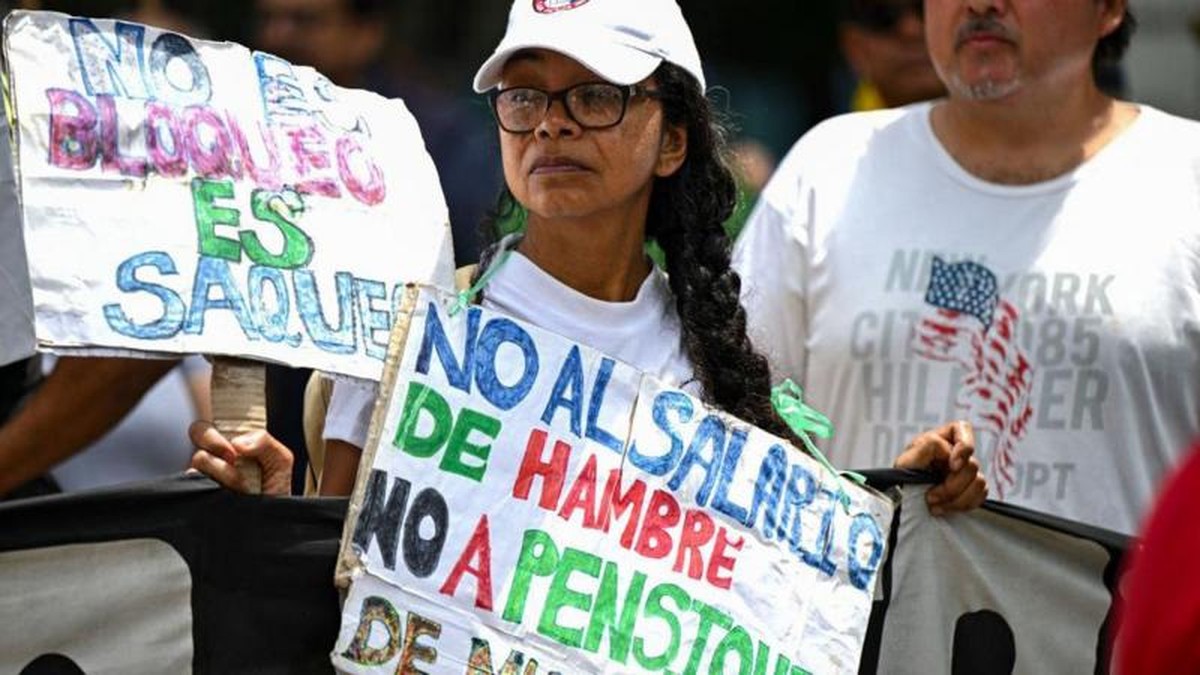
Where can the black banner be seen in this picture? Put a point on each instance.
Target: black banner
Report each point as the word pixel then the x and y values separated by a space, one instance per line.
pixel 93 582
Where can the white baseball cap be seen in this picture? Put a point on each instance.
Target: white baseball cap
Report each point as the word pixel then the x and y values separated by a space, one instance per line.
pixel 622 41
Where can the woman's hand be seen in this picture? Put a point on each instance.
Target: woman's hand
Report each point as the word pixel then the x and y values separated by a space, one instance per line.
pixel 949 449
pixel 216 456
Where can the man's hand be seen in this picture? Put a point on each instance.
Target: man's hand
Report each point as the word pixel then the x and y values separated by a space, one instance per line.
pixel 949 449
pixel 216 457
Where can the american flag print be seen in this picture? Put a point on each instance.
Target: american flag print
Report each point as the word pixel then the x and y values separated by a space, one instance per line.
pixel 968 323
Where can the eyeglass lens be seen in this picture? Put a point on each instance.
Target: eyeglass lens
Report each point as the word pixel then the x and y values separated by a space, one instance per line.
pixel 592 105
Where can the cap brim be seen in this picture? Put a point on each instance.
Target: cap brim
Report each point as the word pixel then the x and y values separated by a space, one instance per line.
pixel 621 64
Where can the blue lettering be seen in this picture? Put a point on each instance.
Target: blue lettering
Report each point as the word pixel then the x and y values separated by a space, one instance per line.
pixel 340 340
pixel 281 93
pixel 165 326
pixel 664 403
pixel 862 573
pixel 711 432
pixel 818 556
pixel 458 373
pixel 768 490
pixel 733 453
pixel 198 88
pixel 374 320
pixel 272 321
pixel 215 272
pixel 571 376
pixel 594 432
pixel 794 503
pixel 495 333
pixel 110 68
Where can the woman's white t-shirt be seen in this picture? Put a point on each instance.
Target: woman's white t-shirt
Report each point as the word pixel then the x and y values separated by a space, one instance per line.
pixel 643 333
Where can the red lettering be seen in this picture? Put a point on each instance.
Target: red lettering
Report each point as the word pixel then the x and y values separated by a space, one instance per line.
pixel 552 472
pixel 310 156
pixel 169 159
pixel 720 561
pixel 661 513
pixel 208 151
pixel 613 504
pixel 582 495
pixel 697 531
pixel 72 130
pixel 111 158
pixel 479 552
pixel 370 190
pixel 264 173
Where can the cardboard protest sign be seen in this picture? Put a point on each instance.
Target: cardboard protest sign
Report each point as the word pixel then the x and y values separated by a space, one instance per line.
pixel 527 504
pixel 16 321
pixel 188 196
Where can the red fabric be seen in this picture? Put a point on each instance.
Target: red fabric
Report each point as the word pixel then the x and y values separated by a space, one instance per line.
pixel 1159 616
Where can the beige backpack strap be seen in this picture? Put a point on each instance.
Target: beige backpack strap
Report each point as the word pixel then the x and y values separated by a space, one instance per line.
pixel 462 277
pixel 317 394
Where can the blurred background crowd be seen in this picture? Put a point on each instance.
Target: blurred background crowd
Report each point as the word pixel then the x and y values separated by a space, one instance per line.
pixel 778 66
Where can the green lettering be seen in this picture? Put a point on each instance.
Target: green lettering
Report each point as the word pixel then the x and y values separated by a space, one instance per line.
pixel 421 398
pixel 655 609
pixel 281 210
pixel 736 640
pixel 620 633
pixel 205 193
pixel 468 421
pixel 560 595
pixel 709 615
pixel 538 557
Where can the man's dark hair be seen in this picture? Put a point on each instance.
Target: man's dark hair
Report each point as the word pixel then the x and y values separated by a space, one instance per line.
pixel 366 9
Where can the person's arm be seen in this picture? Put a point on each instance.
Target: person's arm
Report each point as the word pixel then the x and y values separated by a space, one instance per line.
pixel 949 449
pixel 81 400
pixel 340 469
pixel 345 434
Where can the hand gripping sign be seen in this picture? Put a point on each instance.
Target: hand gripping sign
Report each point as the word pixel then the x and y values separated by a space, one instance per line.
pixel 185 196
pixel 527 504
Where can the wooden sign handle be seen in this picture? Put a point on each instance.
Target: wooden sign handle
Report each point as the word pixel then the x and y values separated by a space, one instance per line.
pixel 239 405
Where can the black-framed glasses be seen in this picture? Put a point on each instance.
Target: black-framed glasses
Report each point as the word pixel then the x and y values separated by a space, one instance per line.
pixel 881 16
pixel 592 105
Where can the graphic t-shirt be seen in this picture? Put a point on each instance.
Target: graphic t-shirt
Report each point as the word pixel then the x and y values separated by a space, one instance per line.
pixel 1061 318
pixel 644 333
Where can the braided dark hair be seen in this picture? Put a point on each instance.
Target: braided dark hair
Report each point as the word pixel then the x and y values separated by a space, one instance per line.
pixel 685 219
pixel 686 216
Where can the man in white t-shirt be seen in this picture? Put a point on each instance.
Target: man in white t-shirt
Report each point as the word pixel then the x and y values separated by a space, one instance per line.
pixel 1025 253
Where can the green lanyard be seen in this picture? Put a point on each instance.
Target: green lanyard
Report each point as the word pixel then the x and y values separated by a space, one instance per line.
pixel 788 401
pixel 467 297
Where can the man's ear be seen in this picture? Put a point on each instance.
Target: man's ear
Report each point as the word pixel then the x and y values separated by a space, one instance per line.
pixel 672 150
pixel 1111 17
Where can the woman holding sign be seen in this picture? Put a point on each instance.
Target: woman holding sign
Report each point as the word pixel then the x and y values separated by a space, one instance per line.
pixel 608 142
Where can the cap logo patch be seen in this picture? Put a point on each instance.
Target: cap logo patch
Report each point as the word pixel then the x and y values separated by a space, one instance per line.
pixel 552 6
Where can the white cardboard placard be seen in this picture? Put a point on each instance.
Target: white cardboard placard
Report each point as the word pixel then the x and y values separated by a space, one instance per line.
pixel 188 196
pixel 526 498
